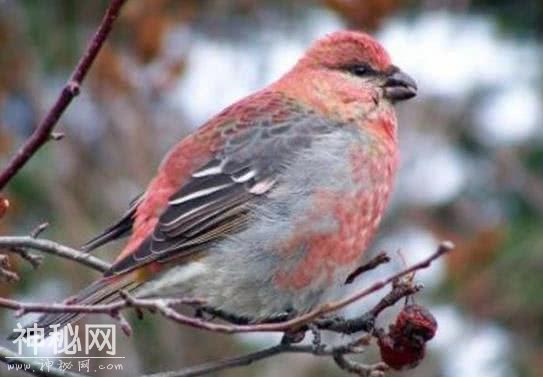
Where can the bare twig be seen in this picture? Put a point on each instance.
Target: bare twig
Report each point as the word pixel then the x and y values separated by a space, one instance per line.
pixel 16 243
pixel 39 230
pixel 362 370
pixel 443 248
pixel 311 320
pixel 366 321
pixel 8 276
pixel 378 260
pixel 244 360
pixel 5 273
pixel 218 365
pixel 43 131
pixel 111 309
pixel 34 259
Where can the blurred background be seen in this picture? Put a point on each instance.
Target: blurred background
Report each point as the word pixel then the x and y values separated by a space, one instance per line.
pixel 471 142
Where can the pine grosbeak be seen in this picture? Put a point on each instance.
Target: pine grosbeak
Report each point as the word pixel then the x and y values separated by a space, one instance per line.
pixel 268 206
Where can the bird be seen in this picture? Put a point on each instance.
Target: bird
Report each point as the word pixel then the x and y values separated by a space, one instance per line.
pixel 265 209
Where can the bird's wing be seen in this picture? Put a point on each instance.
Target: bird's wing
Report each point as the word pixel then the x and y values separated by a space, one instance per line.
pixel 215 201
pixel 120 229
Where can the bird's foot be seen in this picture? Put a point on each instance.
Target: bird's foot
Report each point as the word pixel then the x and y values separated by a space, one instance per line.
pixel 318 347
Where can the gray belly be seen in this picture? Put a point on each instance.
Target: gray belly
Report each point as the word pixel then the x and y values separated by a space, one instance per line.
pixel 237 274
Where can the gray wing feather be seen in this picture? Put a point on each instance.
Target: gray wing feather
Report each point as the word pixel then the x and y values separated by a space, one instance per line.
pixel 216 201
pixel 122 228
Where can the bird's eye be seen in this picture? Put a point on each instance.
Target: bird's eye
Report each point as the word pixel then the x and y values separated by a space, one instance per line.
pixel 360 70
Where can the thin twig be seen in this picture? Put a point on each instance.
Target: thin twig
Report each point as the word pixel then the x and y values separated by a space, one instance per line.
pixel 29 307
pixel 366 321
pixel 35 260
pixel 311 320
pixel 9 276
pixel 12 243
pixel 227 363
pixel 443 248
pixel 71 89
pixel 5 273
pixel 252 357
pixel 39 230
pixel 362 370
pixel 338 353
pixel 378 260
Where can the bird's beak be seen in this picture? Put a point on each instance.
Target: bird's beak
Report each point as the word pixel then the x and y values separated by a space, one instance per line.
pixel 399 86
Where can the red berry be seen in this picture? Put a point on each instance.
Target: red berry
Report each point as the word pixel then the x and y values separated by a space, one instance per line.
pixel 399 356
pixel 415 324
pixel 405 344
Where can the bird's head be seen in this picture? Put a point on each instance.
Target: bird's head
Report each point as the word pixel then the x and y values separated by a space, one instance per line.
pixel 350 68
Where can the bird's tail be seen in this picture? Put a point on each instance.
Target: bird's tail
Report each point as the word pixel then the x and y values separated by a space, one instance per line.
pixel 103 291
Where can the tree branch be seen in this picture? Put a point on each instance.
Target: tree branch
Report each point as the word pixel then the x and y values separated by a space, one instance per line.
pixel 111 309
pixel 16 243
pixel 71 89
pixel 5 273
pixel 379 259
pixel 353 347
pixel 299 325
pixel 366 321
